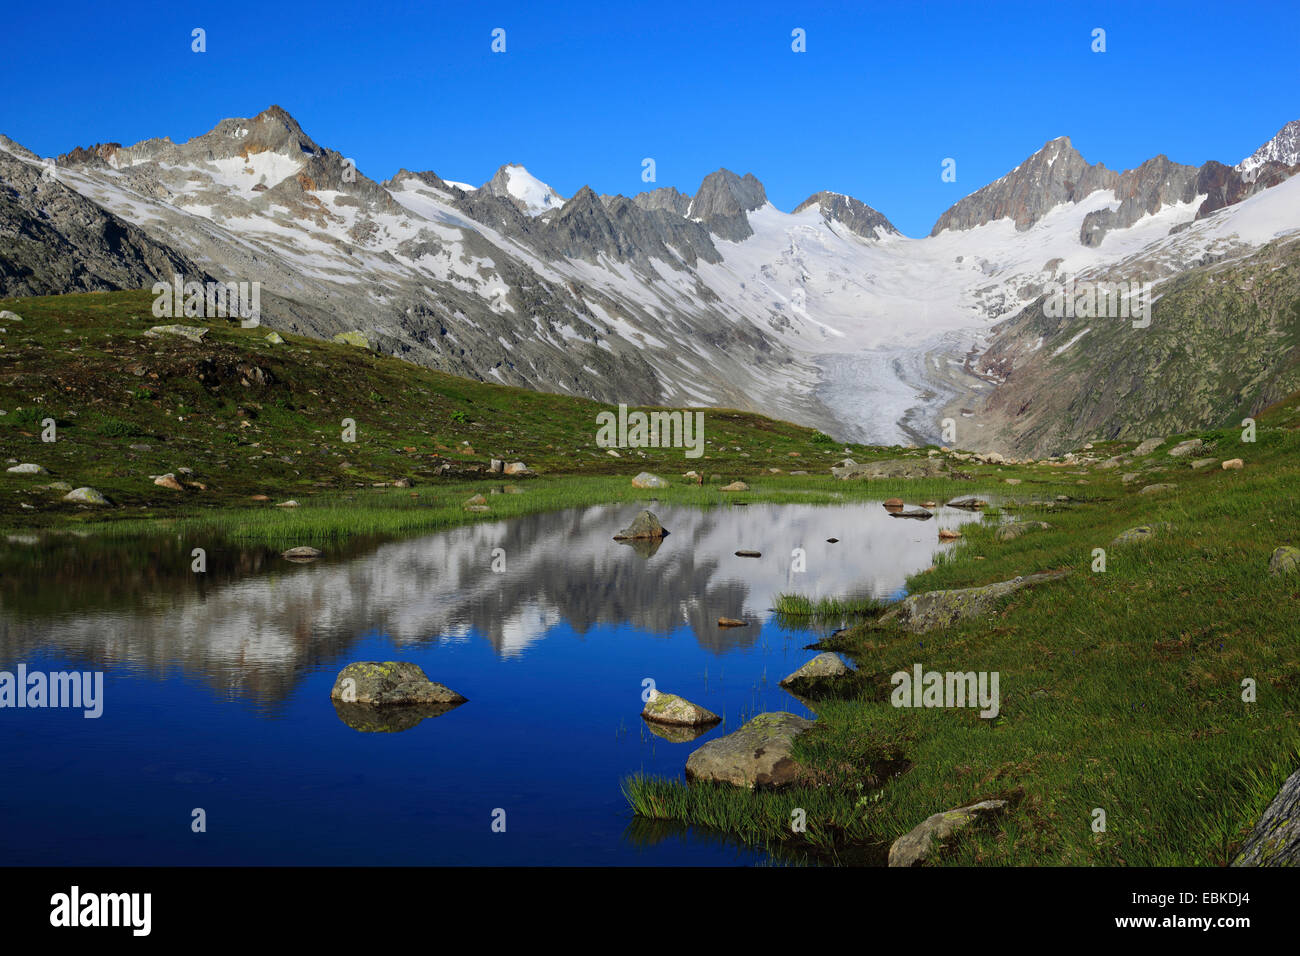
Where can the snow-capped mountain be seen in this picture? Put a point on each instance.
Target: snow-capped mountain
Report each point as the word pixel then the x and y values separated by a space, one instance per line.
pixel 825 315
pixel 1283 148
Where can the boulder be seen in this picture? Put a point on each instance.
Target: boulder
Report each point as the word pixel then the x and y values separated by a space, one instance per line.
pixel 86 496
pixel 893 504
pixel 1275 841
pixel 670 709
pixel 644 525
pixel 291 503
pixel 1202 463
pixel 919 513
pixel 968 503
pixel 1233 464
pixel 274 338
pixel 355 338
pixel 949 534
pixel 390 683
pixel 1139 535
pixel 647 480
pixel 1185 448
pixel 732 622
pixel 1146 447
pixel 168 481
pixel 923 612
pixel 1009 532
pixel 914 848
pixel 735 486
pixel 193 333
pixel 756 755
pixel 1156 489
pixel 7 316
pixel 517 468
pixel 1285 560
pixel 820 667
pixel 27 468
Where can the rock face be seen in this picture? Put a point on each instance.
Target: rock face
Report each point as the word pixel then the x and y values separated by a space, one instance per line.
pixel 819 668
pixel 757 755
pixel 647 480
pixel 1275 841
pixel 391 683
pixel 914 848
pixel 723 201
pixel 924 612
pixel 1285 560
pixel 644 526
pixel 671 709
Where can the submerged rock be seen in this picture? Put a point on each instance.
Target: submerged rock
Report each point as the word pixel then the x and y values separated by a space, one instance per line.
pixel 756 755
pixel 917 846
pixel 390 683
pixel 923 612
pixel 644 525
pixel 670 709
pixel 969 503
pixel 732 622
pixel 1275 841
pixel 919 513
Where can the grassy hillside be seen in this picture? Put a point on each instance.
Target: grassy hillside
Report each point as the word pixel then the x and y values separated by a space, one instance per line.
pixel 251 418
pixel 1121 690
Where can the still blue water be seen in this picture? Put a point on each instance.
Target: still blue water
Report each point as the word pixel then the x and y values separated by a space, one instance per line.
pixel 216 692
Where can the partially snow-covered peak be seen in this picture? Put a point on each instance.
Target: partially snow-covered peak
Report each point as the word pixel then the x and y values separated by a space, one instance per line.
pixel 1283 148
pixel 532 195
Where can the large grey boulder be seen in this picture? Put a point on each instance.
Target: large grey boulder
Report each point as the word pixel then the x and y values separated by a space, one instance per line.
pixel 644 525
pixel 86 496
pixel 664 708
pixel 756 755
pixel 922 843
pixel 1275 841
pixel 924 612
pixel 389 683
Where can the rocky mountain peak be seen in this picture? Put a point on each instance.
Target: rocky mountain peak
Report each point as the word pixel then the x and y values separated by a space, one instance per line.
pixel 852 213
pixel 1283 148
pixel 515 183
pixel 723 200
pixel 1055 174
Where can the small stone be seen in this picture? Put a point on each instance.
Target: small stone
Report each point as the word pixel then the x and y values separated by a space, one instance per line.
pixel 749 554
pixel 947 534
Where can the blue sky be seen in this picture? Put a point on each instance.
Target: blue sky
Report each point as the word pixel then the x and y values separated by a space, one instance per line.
pixel 586 91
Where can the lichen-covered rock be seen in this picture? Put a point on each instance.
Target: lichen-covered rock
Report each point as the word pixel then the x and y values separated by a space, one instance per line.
pixel 644 525
pixel 1285 560
pixel 274 338
pixel 1275 841
pixel 647 480
pixel 1009 532
pixel 670 709
pixel 355 338
pixel 756 755
pixel 389 683
pixel 919 845
pixel 86 496
pixel 821 667
pixel 924 612
pixel 1139 535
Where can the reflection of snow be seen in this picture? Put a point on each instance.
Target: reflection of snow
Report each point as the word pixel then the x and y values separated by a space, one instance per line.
pixel 560 567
